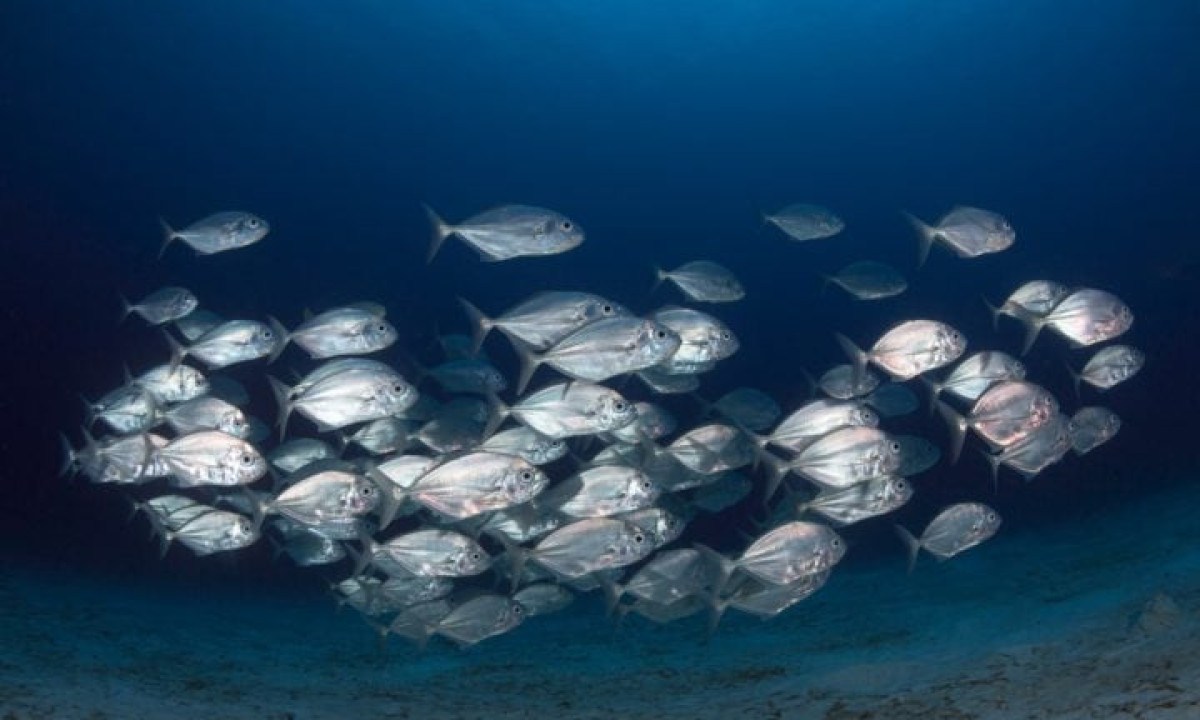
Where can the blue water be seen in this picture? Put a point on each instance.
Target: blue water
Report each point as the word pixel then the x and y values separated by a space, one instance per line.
pixel 664 129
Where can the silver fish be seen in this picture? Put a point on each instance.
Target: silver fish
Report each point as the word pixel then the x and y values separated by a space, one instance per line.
pixel 468 375
pixel 543 319
pixel 667 577
pixel 586 546
pixel 476 483
pixel 975 374
pixel 129 409
pixel 802 222
pixel 869 499
pixel 703 339
pixel 663 382
pixel 173 384
pixel 1085 317
pixel 543 598
pixel 729 490
pixel 653 421
pixel 385 435
pixel 298 452
pixel 1004 414
pixel 207 413
pixel 349 330
pixel 480 618
pixel 869 280
pixel 603 349
pixel 214 531
pixel 434 552
pixel 509 231
pixel 817 419
pixel 600 492
pixel 162 306
pixel 957 528
pixel 573 408
pixel 217 233
pixel 764 600
pixel 458 425
pixel 847 457
pixel 526 443
pixel 791 551
pixel 713 448
pixel 1091 427
pixel 233 341
pixel 1035 298
pixel 704 281
pixel 845 382
pixel 1109 367
pixel 967 231
pixel 354 395
pixel 323 493
pixel 211 457
pixel 916 455
pixel 1036 451
pixel 909 349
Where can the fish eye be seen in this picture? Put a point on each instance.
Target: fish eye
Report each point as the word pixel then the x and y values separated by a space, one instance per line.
pixel 991 517
pixel 381 328
pixel 645 484
pixel 725 335
pixel 247 459
pixel 476 556
pixel 252 222
pixel 619 406
pixel 367 491
pixel 660 334
pixel 639 538
pixel 895 447
pixel 518 610
pixel 267 334
pixel 836 543
pixel 565 225
pixel 397 388
pixel 607 309
pixel 527 476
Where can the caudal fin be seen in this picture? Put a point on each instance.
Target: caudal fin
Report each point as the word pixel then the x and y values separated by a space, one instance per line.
pixel 283 398
pixel 281 338
pixel 911 544
pixel 858 358
pixel 958 429
pixel 995 312
pixel 441 231
pixel 126 308
pixel 530 361
pixel 925 237
pixel 659 276
pixel 481 324
pixel 169 234
pixel 1076 377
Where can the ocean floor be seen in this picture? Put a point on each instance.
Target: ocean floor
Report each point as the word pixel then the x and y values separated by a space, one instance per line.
pixel 1097 618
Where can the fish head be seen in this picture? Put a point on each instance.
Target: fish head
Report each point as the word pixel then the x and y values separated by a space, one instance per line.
pixel 264 339
pixel 233 422
pixel 656 342
pixel 393 395
pixel 950 344
pixel 470 560
pixel 493 380
pixel 361 497
pixel 897 491
pixel 863 416
pixel 612 411
pixel 241 533
pixel 244 229
pixel 376 334
pixel 642 488
pixel 242 464
pixel 191 382
pixel 546 451
pixel 558 233
pixel 522 482
pixel 183 304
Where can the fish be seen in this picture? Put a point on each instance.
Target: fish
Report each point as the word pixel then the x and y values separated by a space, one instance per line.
pixel 162 306
pixel 845 382
pixel 207 413
pixel 966 231
pixel 1004 414
pixel 322 493
pixel 602 350
pixel 662 382
pixel 130 409
pixel 668 576
pixel 802 222
pixel 786 553
pixel 543 598
pixel 916 455
pixel 216 233
pixel 480 618
pixel 703 339
pixel 766 600
pixel 1035 298
pixel 458 425
pixel 652 422
pixel 908 349
pixel 356 394
pixel 728 490
pixel 568 409
pixel 847 457
pixel 713 448
pixel 232 342
pixel 211 457
pixel 893 400
pixel 509 231
pixel 294 454
pixel 955 529
pixel 478 482
pixel 1085 317
pixel 846 506
pixel 585 546
pixel 600 492
pixel 869 280
pixel 385 435
pixel 818 418
pixel 171 385
pixel 433 552
pixel 1091 427
pixel 468 375
pixel 703 281
pixel 1041 448
pixel 213 531
pixel 1109 367
pixel 544 319
pixel 747 407
pixel 975 374
pixel 199 321
pixel 527 444
pixel 348 330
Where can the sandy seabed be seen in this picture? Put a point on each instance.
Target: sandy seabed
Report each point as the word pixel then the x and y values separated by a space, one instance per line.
pixel 1096 618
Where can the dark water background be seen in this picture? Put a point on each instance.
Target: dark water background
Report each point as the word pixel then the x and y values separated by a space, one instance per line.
pixel 664 129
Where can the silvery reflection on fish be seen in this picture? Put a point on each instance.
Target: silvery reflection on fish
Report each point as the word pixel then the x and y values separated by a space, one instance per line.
pixel 568 409
pixel 231 342
pixel 1033 453
pixel 173 384
pixel 845 382
pixel 603 349
pixel 509 231
pixel 804 221
pixel 1091 427
pixel 357 393
pixel 975 374
pixel 544 319
pixel 955 529
pixel 1003 415
pixel 217 233
pixel 161 306
pixel 818 418
pixel 211 457
pixel 869 280
pixel 703 281
pixel 478 482
pixel 350 330
pixel 1085 317
pixel 127 410
pixel 966 231
pixel 703 339
pixel 196 323
pixel 908 349
pixel 526 443
pixel 601 491
pixel 1110 366
pixel 847 457
pixel 846 506
pixel 1035 298
pixel 207 413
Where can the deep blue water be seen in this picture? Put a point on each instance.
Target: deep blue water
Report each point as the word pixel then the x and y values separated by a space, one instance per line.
pixel 664 129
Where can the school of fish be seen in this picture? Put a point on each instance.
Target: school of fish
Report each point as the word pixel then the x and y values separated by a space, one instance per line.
pixel 457 501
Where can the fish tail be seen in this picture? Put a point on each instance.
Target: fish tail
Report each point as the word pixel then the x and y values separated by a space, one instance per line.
pixel 911 544
pixel 283 399
pixel 659 276
pixel 825 281
pixel 994 310
pixel 517 557
pixel 1033 326
pixel 391 501
pixel 1076 377
pixel 529 360
pixel 810 381
pixel 282 336
pixel 958 429
pixel 993 462
pixel 934 388
pixel 169 235
pixel 716 611
pixel 362 561
pixel 777 470
pixel 498 412
pixel 89 411
pixel 612 594
pixel 126 308
pixel 441 231
pixel 70 463
pixel 925 237
pixel 481 324
pixel 857 357
pixel 178 352
pixel 722 566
